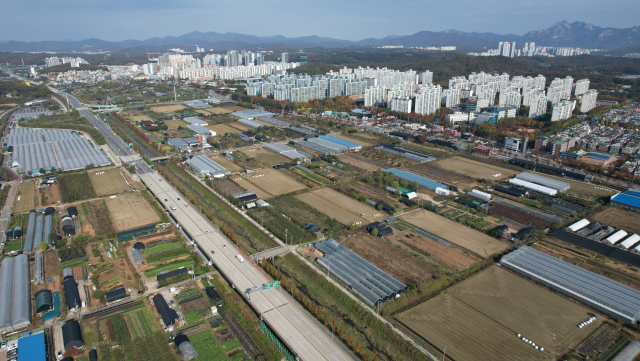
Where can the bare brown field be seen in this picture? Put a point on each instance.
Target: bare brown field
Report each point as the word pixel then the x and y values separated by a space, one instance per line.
pixel 450 256
pixel 401 265
pixel 175 123
pixel 454 232
pixel 25 198
pixel 341 207
pixel 235 108
pixel 265 156
pixel 221 129
pixel 98 216
pixel 241 127
pixel 474 169
pixel 130 210
pixel 219 110
pixel 362 162
pixel 139 118
pixel 167 108
pixel 108 182
pixel 618 218
pixel 231 166
pixel 267 183
pixel 483 315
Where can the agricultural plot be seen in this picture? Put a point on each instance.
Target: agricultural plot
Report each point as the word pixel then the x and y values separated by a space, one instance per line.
pixel 25 198
pixel 302 213
pixel 175 123
pixel 139 118
pixel 142 322
pixel 75 187
pixel 452 231
pixel 219 110
pixel 443 175
pixel 226 186
pixel 130 211
pixel 222 129
pixel 267 183
pixel 194 304
pixel 108 182
pixel 474 169
pixel 453 257
pixel 355 140
pixel 363 162
pixel 171 254
pixel 223 161
pixel 401 265
pixel 167 108
pixel 618 218
pixel 154 347
pixel 582 188
pixel 518 216
pixel 341 207
pixel 240 127
pixel 207 347
pixel 169 267
pixel 265 156
pixel 483 315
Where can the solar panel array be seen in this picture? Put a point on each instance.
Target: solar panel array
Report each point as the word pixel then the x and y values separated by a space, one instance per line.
pixel 77 153
pixel 287 151
pixel 424 182
pixel 194 120
pixel 370 282
pixel 346 143
pixel 203 164
pixel 544 181
pixel 250 123
pixel 602 293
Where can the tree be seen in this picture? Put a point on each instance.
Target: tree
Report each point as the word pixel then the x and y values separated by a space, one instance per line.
pixel 416 185
pixel 97 294
pixel 374 232
pixel 395 184
pixel 43 246
pixel 349 339
pixel 357 348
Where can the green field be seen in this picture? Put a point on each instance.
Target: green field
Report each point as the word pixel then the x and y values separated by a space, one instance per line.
pixel 163 256
pixel 12 246
pixel 75 187
pixel 170 267
pixel 161 247
pixel 150 348
pixel 207 347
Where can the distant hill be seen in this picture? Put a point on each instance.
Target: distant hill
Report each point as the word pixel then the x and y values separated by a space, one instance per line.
pixel 563 33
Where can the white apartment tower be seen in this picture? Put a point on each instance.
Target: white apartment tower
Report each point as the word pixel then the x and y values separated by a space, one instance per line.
pixel 538 105
pixel 589 100
pixel 400 105
pixel 428 99
pixel 426 77
pixel 562 110
pixel 581 87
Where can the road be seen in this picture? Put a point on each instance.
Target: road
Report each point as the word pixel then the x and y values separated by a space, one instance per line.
pixel 304 335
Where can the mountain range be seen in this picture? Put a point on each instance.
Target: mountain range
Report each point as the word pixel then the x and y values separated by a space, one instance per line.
pixel 561 34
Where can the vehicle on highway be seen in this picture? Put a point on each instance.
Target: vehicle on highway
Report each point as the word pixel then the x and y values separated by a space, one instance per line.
pixel 224 245
pixel 165 200
pixel 178 198
pixel 239 258
pixel 172 207
pixel 212 252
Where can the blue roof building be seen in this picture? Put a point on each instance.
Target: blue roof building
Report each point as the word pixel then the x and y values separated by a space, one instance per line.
pixel 33 348
pixel 629 200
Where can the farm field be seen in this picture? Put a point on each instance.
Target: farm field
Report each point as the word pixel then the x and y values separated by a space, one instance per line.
pixel 207 347
pixel 175 123
pixel 139 118
pixel 474 169
pixel 235 108
pixel 341 207
pixel 130 211
pixel 450 256
pixel 222 129
pixel 618 218
pixel 401 265
pixel 241 127
pixel 75 187
pixel 108 182
pixel 27 195
pixel 265 156
pixel 231 166
pixel 483 315
pixel 475 241
pixel 218 110
pixel 362 162
pixel 97 214
pixel 267 183
pixel 302 213
pixel 439 174
pixel 154 347
pixel 351 139
pixel 226 186
pixel 167 108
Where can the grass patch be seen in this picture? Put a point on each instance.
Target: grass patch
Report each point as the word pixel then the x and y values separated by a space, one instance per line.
pixel 76 263
pixel 170 267
pixel 231 345
pixel 12 246
pixel 163 256
pixel 75 187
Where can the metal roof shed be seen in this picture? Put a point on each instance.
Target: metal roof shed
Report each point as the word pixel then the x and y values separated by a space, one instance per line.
pixel 578 225
pixel 187 350
pixel 93 355
pixel 616 237
pixel 32 348
pixel 44 301
pixel 48 220
pixel 39 269
pixel 37 238
pixel 31 230
pixel 71 293
pixel 20 311
pixel 116 295
pixel 72 335
pixel 169 315
pixel 6 291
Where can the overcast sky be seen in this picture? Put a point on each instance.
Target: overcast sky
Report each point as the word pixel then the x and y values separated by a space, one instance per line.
pixel 116 20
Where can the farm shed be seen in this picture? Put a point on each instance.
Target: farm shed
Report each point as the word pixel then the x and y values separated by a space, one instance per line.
pixel 169 315
pixel 592 228
pixel 72 211
pixel 49 210
pixel 616 237
pixel 187 350
pixel 175 273
pixel 194 120
pixel 130 234
pixel 71 335
pixel 31 230
pixel 370 282
pixel 525 233
pixel 510 191
pixel 599 292
pixel 48 221
pixel 139 246
pixel 544 181
pixel 17 232
pixel 407 202
pixel 199 129
pixel 250 123
pixel 533 186
pixel 71 293
pixel 345 143
pixel 67 272
pixel 409 154
pixel 212 294
pixel 578 225
pixel 628 353
pixel 424 182
pixel 312 227
pixel 116 295
pixel 20 305
pixel 37 238
pixel 44 301
pixel 499 230
pixel 205 165
pixel 137 256
pixel 39 269
pixel 629 242
pixel 629 200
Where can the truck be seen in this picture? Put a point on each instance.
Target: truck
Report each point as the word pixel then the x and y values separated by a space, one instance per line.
pixel 240 258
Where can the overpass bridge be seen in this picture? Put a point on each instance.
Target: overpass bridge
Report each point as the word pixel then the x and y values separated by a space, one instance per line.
pixel 270 253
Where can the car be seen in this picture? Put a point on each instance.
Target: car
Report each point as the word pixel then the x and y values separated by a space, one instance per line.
pixel 12 353
pixel 224 245
pixel 4 343
pixel 59 354
pixel 14 359
pixel 212 252
pixel 178 198
pixel 12 346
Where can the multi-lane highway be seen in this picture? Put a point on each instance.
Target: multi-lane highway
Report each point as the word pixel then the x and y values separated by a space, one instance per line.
pixel 305 336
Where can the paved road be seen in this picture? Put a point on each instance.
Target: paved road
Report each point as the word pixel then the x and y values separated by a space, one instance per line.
pixel 304 335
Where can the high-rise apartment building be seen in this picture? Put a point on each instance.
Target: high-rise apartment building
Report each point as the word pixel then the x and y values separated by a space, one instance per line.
pixel 428 99
pixel 562 110
pixel 581 87
pixel 538 105
pixel 589 100
pixel 284 58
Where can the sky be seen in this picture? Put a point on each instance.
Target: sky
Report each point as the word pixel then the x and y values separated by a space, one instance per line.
pixel 117 20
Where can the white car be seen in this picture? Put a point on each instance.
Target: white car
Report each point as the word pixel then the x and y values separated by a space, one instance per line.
pixel 13 346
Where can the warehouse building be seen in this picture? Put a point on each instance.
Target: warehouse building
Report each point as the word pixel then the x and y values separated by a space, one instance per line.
pixel 533 186
pixel 169 315
pixel 72 335
pixel 207 166
pixel 33 347
pixel 544 181
pixel 365 279
pixel 628 200
pixel 199 129
pixel 601 293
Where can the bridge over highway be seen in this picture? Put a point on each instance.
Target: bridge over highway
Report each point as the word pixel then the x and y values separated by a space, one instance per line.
pixel 307 338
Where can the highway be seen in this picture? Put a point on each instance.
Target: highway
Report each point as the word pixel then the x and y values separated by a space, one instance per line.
pixel 305 336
